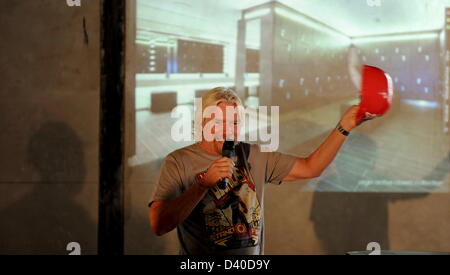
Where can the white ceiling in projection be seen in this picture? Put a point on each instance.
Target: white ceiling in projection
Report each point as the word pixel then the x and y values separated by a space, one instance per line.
pixel 352 17
pixel 366 17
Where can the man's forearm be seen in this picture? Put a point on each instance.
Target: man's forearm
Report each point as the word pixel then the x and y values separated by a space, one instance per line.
pixel 324 155
pixel 175 211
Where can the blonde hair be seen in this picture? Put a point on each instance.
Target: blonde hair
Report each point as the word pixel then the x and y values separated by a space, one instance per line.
pixel 214 97
pixel 220 94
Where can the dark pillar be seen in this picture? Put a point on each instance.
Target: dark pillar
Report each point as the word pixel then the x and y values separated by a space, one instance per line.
pixel 111 212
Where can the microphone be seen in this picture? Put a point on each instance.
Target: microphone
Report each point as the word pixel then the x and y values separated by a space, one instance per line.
pixel 228 152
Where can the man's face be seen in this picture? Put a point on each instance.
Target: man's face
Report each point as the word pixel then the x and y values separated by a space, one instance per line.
pixel 221 123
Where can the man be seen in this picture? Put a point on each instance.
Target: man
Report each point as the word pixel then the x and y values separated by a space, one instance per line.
pixel 230 221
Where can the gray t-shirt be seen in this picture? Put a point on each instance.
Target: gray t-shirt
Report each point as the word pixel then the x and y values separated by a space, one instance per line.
pixel 229 221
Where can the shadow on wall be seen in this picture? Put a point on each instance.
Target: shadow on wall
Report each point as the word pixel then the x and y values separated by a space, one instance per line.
pixel 48 218
pixel 348 221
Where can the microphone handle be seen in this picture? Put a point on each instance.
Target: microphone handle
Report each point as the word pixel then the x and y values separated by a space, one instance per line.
pixel 223 183
pixel 227 151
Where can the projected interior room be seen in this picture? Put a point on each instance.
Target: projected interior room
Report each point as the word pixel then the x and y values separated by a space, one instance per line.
pixel 297 55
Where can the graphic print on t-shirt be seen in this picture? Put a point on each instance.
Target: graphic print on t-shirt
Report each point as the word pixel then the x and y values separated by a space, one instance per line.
pixel 232 215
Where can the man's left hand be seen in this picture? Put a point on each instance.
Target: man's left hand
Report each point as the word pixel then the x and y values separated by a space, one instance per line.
pixel 348 121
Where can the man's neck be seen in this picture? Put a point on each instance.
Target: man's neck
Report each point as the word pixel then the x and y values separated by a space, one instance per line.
pixel 212 147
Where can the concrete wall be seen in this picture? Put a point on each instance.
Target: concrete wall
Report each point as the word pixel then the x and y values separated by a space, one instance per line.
pixel 49 113
pixel 334 223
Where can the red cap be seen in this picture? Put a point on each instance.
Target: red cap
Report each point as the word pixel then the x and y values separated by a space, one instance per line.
pixel 376 94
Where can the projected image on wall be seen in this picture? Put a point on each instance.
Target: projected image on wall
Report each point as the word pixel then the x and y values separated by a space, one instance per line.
pixel 302 57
